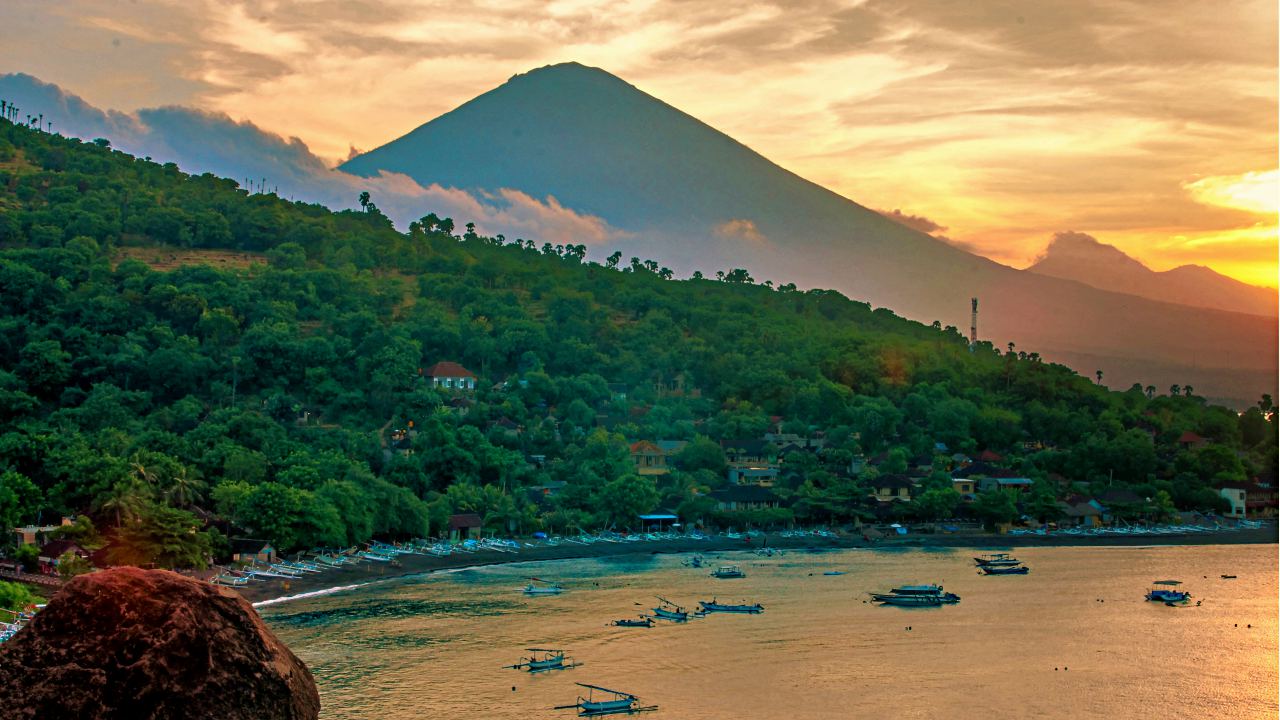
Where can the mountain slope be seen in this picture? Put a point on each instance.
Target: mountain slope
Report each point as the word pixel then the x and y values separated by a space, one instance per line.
pixel 693 198
pixel 1076 256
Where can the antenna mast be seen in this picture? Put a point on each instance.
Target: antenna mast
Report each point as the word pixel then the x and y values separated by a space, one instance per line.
pixel 973 327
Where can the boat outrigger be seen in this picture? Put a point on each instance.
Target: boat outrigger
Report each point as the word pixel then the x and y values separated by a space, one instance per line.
pixel 613 702
pixel 542 660
pixel 997 560
pixel 1004 569
pixel 667 610
pixel 728 571
pixel 1166 594
pixel 713 606
pixel 546 588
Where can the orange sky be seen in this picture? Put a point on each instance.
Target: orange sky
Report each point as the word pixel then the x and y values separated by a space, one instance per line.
pixel 1151 126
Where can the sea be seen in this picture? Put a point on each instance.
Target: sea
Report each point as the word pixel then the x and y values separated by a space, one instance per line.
pixel 1074 638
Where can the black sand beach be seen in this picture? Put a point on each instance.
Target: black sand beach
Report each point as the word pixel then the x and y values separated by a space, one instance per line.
pixel 277 590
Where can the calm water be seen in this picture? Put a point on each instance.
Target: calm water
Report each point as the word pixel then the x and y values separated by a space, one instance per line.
pixel 1040 645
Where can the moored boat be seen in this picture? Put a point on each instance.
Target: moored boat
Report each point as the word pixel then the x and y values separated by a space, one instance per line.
pixel 907 600
pixel 1004 569
pixel 542 660
pixel 1164 592
pixel 928 591
pixel 714 606
pixel 667 610
pixel 603 701
pixel 546 588
pixel 997 560
pixel 640 622
pixel 725 572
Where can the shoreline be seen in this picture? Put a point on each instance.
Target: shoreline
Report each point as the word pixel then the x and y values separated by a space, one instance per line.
pixel 279 591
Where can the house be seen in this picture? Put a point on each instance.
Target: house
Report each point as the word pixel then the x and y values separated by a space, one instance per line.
pixel 967 487
pixel 618 391
pixel 1191 441
pixel 1261 499
pixel 989 484
pixel 744 497
pixel 55 549
pixel 450 376
pixel 1237 494
pixel 252 550
pixel 890 488
pixel 38 534
pixel 465 526
pixel 747 451
pixel 649 459
pixel 764 475
pixel 990 456
pixel 1082 511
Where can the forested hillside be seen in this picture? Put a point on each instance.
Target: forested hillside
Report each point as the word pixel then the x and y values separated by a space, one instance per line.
pixel 282 396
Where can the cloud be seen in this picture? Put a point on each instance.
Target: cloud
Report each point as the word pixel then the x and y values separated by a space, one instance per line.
pixel 915 222
pixel 739 229
pixel 201 142
pixel 1257 192
pixel 1009 120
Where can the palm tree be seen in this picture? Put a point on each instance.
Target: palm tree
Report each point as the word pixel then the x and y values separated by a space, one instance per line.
pixel 145 475
pixel 1187 390
pixel 1174 390
pixel 125 500
pixel 184 487
pixel 364 200
pixel 1011 346
pixel 1098 373
pixel 1151 391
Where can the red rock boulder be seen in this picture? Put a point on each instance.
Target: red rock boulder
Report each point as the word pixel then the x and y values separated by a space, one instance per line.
pixel 151 644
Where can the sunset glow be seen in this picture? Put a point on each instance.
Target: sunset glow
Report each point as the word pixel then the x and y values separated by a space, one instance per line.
pixel 1137 125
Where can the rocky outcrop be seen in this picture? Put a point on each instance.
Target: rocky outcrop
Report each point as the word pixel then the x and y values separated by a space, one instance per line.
pixel 131 643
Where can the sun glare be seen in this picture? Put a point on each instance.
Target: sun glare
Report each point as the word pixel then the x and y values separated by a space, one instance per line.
pixel 1252 191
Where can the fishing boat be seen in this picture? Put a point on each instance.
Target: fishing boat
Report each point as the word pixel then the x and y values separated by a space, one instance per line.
pixel 603 701
pixel 1164 592
pixel 714 606
pixel 546 588
pixel 542 660
pixel 1004 569
pixel 908 600
pixel 725 572
pixel 667 610
pixel 641 622
pixel 694 562
pixel 916 596
pixel 997 560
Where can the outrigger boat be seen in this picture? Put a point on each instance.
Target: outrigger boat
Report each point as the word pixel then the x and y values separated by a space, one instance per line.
pixel 642 622
pixel 916 596
pixel 1004 569
pixel 615 702
pixel 725 572
pixel 997 560
pixel 668 610
pixel 694 562
pixel 1166 594
pixel 713 606
pixel 547 588
pixel 542 660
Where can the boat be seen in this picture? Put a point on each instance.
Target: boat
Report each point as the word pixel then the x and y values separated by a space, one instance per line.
pixel 927 590
pixel 546 588
pixel 542 660
pixel 833 572
pixel 641 622
pixel 1166 594
pixel 694 562
pixel 997 560
pixel 728 571
pixel 1004 569
pixel 667 610
pixel 613 702
pixel 713 606
pixel 1228 577
pixel 916 596
pixel 908 600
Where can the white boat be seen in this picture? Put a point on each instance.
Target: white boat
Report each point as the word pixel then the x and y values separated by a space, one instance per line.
pixel 603 701
pixel 546 588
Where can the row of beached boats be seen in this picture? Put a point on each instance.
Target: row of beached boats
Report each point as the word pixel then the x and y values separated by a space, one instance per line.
pixel 14 620
pixel 1122 530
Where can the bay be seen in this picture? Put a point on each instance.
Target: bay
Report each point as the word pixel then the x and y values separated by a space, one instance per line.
pixel 1074 638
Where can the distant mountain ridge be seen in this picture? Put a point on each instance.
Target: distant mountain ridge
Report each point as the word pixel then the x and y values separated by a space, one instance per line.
pixel 692 198
pixel 1077 256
